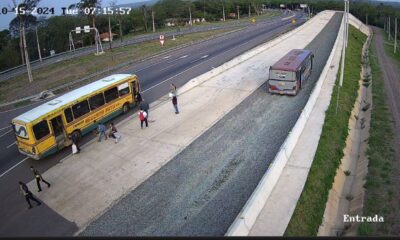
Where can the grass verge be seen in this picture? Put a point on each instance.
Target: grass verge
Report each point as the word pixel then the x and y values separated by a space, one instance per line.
pixel 381 196
pixel 310 208
pixel 66 71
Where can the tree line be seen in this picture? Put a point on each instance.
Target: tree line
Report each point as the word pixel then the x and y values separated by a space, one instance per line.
pixel 53 33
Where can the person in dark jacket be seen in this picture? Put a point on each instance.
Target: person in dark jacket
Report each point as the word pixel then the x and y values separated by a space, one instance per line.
pixel 175 103
pixel 138 97
pixel 114 132
pixel 74 139
pixel 39 178
pixel 27 194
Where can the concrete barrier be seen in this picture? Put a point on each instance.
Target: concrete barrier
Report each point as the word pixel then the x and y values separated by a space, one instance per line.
pixel 248 216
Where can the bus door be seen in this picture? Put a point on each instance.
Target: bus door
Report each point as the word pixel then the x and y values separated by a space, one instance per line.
pixel 58 131
pixel 135 89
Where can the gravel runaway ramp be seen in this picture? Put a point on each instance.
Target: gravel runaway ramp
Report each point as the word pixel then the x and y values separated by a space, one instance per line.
pixel 201 190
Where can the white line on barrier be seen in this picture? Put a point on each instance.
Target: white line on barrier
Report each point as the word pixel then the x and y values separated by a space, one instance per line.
pixel 13 167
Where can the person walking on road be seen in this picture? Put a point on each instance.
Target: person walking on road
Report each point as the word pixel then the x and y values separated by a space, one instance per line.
pixel 175 103
pixel 39 178
pixel 114 133
pixel 143 118
pixel 27 194
pixel 101 129
pixel 145 106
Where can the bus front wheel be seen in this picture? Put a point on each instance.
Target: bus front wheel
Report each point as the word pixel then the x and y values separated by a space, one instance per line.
pixel 125 108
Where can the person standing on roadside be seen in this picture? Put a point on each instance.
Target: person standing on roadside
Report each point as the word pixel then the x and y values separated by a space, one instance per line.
pixel 175 103
pixel 27 194
pixel 143 118
pixel 114 133
pixel 138 97
pixel 74 139
pixel 39 178
pixel 101 129
pixel 145 106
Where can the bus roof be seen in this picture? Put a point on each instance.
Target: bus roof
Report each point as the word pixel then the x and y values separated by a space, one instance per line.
pixel 292 60
pixel 70 97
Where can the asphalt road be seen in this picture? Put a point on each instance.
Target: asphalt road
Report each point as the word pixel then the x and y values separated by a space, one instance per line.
pixel 155 75
pixel 137 39
pixel 201 190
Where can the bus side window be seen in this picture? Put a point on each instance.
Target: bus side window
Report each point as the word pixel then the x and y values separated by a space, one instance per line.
pixel 111 94
pixel 123 89
pixel 96 101
pixel 80 109
pixel 68 115
pixel 41 130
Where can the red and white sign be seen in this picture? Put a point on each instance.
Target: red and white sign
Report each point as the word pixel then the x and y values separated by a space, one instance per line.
pixel 162 40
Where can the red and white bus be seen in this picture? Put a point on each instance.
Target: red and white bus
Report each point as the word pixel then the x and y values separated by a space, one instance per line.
pixel 288 74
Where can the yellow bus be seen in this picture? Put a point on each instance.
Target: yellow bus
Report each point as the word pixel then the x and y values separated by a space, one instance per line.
pixel 49 127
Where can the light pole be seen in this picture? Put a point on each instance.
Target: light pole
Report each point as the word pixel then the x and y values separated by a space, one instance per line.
pixel 343 54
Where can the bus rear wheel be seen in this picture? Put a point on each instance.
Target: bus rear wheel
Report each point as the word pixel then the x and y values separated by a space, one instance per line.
pixel 125 108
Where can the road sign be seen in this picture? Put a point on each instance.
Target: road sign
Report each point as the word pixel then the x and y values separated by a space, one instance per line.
pixel 303 5
pixel 78 30
pixel 253 20
pixel 293 21
pixel 86 28
pixel 162 40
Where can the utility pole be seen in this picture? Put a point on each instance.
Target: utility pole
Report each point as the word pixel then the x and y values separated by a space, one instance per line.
pixel 120 28
pixel 343 59
pixel 249 11
pixel 238 11
pixel 190 15
pixel 38 46
pixel 347 21
pixel 109 32
pixel 395 35
pixel 389 28
pixel 152 16
pixel 204 9
pixel 366 19
pixel 28 64
pixel 223 10
pixel 384 24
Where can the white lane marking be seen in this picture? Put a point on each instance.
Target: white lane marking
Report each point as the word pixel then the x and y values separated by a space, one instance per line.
pixel 4 128
pixel 166 57
pixel 195 66
pixel 6 133
pixel 13 167
pixel 184 56
pixel 199 59
pixel 11 145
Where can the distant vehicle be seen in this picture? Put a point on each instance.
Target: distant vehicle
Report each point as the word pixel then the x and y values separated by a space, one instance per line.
pixel 288 75
pixel 48 128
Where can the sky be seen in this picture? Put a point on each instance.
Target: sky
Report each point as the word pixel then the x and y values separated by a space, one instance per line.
pixel 57 4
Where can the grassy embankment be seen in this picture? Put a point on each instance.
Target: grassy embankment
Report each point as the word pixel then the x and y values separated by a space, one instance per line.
pixel 310 208
pixel 55 75
pixel 381 196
